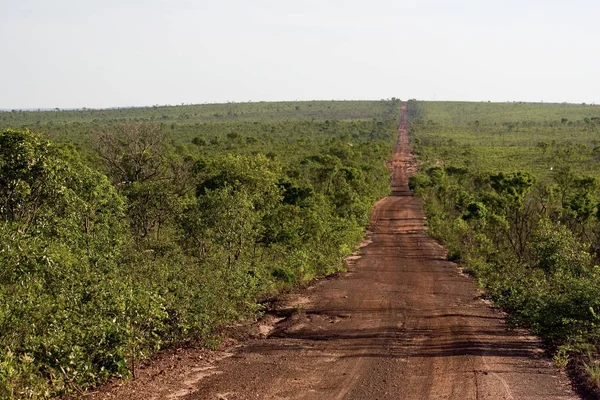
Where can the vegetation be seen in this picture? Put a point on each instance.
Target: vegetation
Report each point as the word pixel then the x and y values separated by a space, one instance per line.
pixel 512 190
pixel 121 236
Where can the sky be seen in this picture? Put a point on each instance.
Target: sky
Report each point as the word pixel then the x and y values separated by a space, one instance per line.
pixel 116 53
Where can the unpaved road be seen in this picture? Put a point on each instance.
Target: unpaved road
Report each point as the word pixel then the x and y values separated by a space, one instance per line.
pixel 403 323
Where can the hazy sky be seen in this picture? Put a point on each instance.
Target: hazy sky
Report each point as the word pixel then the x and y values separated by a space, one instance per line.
pixel 91 53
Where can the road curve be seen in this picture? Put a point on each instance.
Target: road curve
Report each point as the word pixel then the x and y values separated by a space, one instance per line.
pixel 403 323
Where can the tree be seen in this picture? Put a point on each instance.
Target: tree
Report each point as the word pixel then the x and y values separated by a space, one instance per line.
pixel 152 178
pixel 510 202
pixel 46 189
pixel 132 152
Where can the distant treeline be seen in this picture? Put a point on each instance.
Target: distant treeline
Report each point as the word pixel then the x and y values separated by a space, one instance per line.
pixel 190 114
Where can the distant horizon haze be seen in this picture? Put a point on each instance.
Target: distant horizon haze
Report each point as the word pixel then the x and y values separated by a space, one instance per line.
pixel 132 53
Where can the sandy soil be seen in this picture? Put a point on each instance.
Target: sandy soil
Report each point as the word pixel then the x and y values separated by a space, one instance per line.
pixel 402 323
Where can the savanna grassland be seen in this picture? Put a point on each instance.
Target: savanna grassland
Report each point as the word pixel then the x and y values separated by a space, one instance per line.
pixel 126 231
pixel 513 191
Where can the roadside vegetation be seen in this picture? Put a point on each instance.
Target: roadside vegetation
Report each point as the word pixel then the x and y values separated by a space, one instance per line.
pixel 126 231
pixel 513 191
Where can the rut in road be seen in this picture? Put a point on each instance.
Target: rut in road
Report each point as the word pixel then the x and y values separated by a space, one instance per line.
pixel 403 323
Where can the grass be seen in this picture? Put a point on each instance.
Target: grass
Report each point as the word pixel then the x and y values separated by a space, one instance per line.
pixel 510 136
pixel 592 368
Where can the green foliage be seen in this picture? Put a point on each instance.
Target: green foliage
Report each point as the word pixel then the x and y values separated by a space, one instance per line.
pixel 557 250
pixel 157 238
pixel 476 211
pixel 436 175
pixel 418 181
pixel 513 186
pixel 61 234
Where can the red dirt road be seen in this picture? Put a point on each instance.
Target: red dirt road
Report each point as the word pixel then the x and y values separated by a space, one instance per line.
pixel 403 323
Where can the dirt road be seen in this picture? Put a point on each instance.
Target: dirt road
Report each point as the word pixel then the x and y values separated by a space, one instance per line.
pixel 403 323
